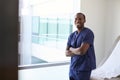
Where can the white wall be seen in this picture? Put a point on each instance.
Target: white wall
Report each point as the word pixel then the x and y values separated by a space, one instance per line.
pixel 25 32
pixel 103 18
pixel 94 11
pixel 112 23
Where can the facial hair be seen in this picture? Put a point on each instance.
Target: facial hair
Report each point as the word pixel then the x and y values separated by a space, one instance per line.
pixel 79 26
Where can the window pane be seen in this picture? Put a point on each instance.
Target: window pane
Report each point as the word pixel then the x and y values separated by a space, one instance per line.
pixel 45 31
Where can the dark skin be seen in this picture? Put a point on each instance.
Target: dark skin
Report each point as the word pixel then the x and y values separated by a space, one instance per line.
pixel 79 23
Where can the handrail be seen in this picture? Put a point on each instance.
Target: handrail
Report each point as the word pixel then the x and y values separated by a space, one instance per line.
pixel 47 37
pixel 43 65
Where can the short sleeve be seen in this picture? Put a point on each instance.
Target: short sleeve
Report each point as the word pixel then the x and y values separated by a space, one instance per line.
pixel 89 37
pixel 69 40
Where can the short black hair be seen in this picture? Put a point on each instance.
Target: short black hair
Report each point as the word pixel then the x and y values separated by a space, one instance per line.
pixel 81 14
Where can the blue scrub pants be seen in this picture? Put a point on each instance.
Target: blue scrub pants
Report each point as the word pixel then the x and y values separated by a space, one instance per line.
pixel 81 75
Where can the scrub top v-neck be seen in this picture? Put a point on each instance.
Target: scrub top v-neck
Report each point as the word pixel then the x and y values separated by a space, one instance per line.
pixel 84 62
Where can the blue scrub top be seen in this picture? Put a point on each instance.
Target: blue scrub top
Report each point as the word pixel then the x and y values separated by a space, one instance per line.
pixel 87 61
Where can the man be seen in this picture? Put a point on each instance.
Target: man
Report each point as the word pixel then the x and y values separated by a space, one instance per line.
pixel 80 47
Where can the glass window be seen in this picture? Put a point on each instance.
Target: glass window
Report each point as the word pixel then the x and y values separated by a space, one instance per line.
pixel 45 26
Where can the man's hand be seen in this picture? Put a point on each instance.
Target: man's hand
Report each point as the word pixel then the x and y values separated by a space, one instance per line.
pixel 80 50
pixel 69 53
pixel 75 51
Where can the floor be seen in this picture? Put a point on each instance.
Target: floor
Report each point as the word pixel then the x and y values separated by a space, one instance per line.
pixel 36 60
pixel 49 53
pixel 47 73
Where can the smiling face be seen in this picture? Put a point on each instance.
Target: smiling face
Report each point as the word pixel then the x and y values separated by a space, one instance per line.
pixel 79 20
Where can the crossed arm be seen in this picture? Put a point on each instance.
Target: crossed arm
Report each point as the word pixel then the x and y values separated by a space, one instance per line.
pixel 77 51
